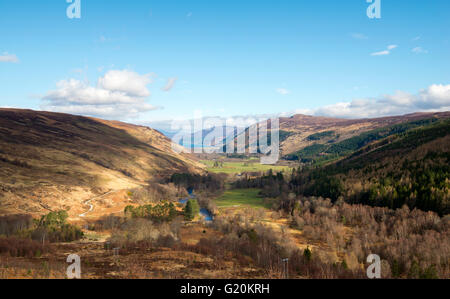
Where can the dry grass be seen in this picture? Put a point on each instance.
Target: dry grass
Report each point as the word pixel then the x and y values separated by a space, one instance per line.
pixel 52 161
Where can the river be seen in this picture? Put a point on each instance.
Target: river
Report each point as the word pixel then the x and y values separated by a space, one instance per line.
pixel 203 212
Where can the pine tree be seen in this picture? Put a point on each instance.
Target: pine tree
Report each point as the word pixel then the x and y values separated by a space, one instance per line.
pixel 191 210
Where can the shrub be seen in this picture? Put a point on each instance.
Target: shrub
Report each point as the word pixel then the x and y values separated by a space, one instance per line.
pixel 16 247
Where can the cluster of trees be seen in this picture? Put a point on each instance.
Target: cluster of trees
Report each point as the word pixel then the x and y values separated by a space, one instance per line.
pixel 321 135
pixel 15 224
pixel 422 185
pixel 161 212
pixel 412 244
pixel 315 183
pixel 21 235
pixel 254 244
pixel 54 228
pixel 21 247
pixel 210 182
pixel 142 234
pixel 272 184
pixel 309 154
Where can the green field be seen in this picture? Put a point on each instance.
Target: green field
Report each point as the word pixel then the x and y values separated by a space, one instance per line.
pixel 241 197
pixel 239 167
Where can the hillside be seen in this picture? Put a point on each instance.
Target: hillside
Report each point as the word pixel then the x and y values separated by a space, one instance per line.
pixel 322 152
pixel 303 136
pixel 51 161
pixel 302 131
pixel 401 164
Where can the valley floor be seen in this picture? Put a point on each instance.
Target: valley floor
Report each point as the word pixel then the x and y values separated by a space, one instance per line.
pixel 155 263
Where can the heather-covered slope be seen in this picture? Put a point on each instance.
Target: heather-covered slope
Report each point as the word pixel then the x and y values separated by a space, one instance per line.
pixel 51 161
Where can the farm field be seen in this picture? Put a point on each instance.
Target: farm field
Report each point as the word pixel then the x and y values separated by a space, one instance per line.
pixel 242 197
pixel 239 167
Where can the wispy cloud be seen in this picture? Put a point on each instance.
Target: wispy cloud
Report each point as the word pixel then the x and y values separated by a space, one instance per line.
pixel 359 36
pixel 12 58
pixel 381 53
pixel 170 84
pixel 416 38
pixel 283 91
pixel 385 52
pixel 419 50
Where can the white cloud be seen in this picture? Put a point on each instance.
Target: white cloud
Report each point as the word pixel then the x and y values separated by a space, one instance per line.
pixel 434 98
pixel 170 84
pixel 419 50
pixel 5 57
pixel 385 52
pixel 359 36
pixel 357 88
pixel 118 94
pixel 416 38
pixel 381 53
pixel 126 81
pixel 283 91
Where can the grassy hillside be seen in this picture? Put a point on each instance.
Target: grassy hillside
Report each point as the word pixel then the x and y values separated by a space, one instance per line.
pixel 48 158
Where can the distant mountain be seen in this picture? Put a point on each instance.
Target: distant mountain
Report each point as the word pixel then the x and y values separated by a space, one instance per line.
pixel 302 131
pixel 303 136
pixel 49 159
pixel 199 139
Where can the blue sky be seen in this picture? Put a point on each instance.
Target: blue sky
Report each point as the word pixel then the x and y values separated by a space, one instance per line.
pixel 225 58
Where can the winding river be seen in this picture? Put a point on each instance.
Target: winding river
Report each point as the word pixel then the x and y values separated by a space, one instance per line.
pixel 203 212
